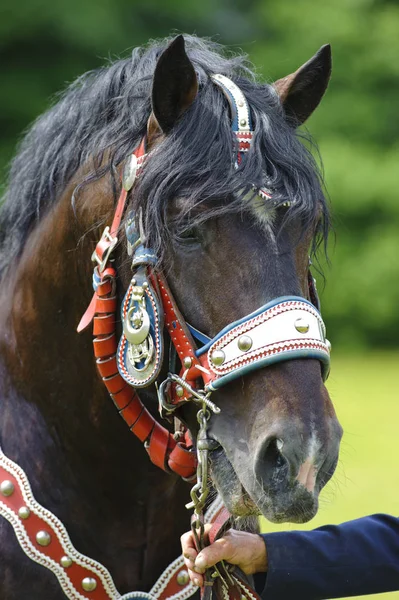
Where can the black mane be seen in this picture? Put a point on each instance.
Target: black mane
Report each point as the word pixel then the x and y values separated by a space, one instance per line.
pixel 105 112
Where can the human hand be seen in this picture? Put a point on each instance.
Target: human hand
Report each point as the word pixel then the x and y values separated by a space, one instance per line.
pixel 246 550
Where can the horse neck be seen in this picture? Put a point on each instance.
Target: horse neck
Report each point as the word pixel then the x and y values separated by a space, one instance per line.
pixel 59 423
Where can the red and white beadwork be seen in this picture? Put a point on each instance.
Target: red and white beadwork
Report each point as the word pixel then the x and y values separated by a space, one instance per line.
pixel 288 326
pixel 80 577
pixel 80 571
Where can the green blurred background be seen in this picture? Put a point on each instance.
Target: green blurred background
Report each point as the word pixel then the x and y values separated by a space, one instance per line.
pixel 45 44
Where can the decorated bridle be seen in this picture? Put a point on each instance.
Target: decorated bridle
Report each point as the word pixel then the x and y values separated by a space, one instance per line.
pixel 286 328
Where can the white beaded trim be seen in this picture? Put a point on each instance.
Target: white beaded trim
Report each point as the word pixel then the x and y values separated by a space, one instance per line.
pixel 162 583
pixel 239 100
pixel 63 538
pixel 29 549
pixel 98 570
pixel 268 349
pixel 178 564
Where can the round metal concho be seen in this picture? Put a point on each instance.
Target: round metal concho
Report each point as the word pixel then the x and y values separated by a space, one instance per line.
pixel 243 122
pixel 301 325
pixel 218 357
pixel 89 584
pixel 183 577
pixel 7 487
pixel 179 391
pixel 24 512
pixel 66 562
pixel 244 343
pixel 187 362
pixel 129 172
pixel 43 538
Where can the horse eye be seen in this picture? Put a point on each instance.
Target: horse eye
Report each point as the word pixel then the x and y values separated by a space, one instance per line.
pixel 188 235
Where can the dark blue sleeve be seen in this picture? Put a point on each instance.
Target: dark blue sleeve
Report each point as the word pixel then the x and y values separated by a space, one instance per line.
pixel 353 559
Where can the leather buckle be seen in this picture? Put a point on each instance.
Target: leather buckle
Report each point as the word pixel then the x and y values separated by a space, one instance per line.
pixel 106 246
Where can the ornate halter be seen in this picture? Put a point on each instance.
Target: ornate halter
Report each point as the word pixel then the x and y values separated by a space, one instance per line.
pixel 288 327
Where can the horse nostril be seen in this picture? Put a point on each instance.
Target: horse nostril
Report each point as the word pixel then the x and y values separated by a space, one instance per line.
pixel 271 467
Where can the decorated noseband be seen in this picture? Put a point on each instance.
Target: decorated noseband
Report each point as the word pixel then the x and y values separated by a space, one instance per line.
pixel 289 327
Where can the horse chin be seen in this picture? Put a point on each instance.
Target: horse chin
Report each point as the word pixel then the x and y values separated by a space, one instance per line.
pixel 236 499
pixel 293 505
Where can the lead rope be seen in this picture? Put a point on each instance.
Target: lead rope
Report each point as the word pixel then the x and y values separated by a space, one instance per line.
pixel 199 495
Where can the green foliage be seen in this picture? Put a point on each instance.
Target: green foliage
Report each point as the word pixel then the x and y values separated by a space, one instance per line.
pixel 44 44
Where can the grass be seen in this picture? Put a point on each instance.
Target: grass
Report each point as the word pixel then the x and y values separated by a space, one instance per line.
pixel 365 393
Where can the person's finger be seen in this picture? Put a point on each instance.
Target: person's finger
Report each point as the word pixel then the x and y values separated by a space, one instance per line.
pixel 196 578
pixel 222 549
pixel 188 544
pixel 189 563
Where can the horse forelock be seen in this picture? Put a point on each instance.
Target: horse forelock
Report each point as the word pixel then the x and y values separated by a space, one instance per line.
pixel 103 115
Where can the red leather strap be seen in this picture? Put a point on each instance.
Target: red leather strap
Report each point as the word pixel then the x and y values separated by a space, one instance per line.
pixel 176 324
pixel 107 366
pixel 114 384
pixel 220 524
pixel 143 425
pixel 183 461
pixel 157 449
pixel 37 521
pixel 160 443
pixel 182 341
pixel 105 246
pixel 104 324
pixel 120 207
pixel 123 397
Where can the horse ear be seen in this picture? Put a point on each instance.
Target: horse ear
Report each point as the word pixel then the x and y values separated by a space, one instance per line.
pixel 174 87
pixel 301 92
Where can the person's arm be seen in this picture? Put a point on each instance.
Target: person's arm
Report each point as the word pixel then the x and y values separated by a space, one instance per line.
pixel 356 558
pixel 353 559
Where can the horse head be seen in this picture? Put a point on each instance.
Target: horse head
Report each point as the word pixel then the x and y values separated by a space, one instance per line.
pixel 226 250
pixel 221 205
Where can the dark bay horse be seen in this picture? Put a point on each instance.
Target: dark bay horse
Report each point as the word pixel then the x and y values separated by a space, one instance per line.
pixel 225 253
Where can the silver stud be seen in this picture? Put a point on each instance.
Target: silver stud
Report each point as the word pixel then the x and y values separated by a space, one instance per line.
pixel 145 285
pixel 89 584
pixel 244 343
pixel 183 577
pixel 129 172
pixel 24 512
pixel 243 122
pixel 187 362
pixel 328 344
pixel 7 487
pixel 179 391
pixel 66 561
pixel 301 325
pixel 43 538
pixel 240 103
pixel 218 357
